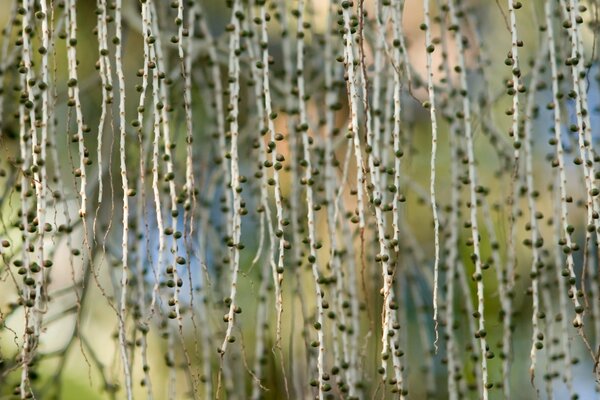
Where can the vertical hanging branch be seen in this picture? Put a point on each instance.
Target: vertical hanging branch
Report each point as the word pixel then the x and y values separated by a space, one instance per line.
pixel 234 92
pixel 388 120
pixel 504 270
pixel 66 228
pixel 27 160
pixel 349 259
pixel 308 181
pixel 576 9
pixel 142 89
pixel 512 60
pixel 276 161
pixel 39 152
pixel 144 145
pixel 465 114
pixel 562 284
pixel 348 37
pixel 75 101
pixel 378 153
pixel 151 63
pixel 548 327
pixel 186 74
pixel 346 352
pixel 383 257
pixel 190 190
pixel 162 108
pixel 259 63
pixel 264 214
pixel 568 229
pixel 505 299
pixel 469 311
pixel 536 240
pixel 117 40
pixel 107 87
pixel 37 167
pixel 295 205
pixel 430 48
pixel 397 114
pixel 576 61
pixel 373 159
pixel 402 44
pixel 381 19
pixel 567 274
pixel 451 262
pixel 143 257
pixel 261 326
pixel 342 256
pixel 451 247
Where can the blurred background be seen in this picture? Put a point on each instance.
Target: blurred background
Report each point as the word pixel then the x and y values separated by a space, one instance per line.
pixel 78 351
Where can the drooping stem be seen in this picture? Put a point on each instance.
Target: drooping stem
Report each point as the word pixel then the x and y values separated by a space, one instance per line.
pixel 473 200
pixel 125 188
